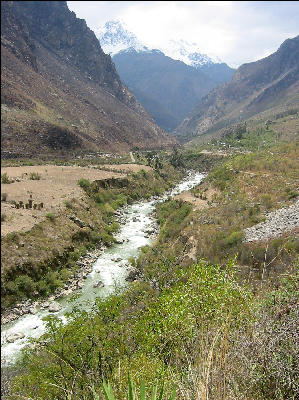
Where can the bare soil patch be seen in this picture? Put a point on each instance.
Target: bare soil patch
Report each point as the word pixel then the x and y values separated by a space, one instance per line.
pixel 197 202
pixel 56 185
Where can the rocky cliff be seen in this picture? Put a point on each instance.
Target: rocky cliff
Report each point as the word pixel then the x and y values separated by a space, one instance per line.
pixel 270 83
pixel 60 92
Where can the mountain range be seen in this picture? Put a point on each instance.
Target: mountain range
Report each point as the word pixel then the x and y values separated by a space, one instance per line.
pixel 60 92
pixel 62 95
pixel 168 87
pixel 268 85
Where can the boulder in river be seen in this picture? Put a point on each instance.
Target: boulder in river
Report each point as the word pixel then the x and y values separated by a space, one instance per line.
pixel 54 307
pixel 80 284
pixel 98 284
pixel 132 276
pixel 12 337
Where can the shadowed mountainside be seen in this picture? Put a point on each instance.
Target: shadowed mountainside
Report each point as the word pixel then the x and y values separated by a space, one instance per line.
pixel 167 88
pixel 60 92
pixel 270 84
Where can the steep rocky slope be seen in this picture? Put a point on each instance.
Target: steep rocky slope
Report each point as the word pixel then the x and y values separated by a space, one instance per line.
pixel 60 92
pixel 268 84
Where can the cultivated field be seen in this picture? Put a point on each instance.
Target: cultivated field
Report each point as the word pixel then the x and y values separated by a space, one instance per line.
pixel 52 186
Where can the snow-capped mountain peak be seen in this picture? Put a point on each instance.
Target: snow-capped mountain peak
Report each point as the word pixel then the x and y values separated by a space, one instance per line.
pixel 189 53
pixel 114 38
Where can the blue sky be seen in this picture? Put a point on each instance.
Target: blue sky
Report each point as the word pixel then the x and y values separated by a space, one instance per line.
pixel 236 31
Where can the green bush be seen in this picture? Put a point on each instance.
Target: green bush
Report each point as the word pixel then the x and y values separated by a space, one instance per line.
pixel 84 184
pixel 25 284
pixel 68 204
pixel 5 178
pixel 106 238
pixel 233 238
pixel 51 217
pixel 221 176
pixel 34 176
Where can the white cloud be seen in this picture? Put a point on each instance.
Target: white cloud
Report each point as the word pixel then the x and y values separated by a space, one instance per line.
pixel 235 31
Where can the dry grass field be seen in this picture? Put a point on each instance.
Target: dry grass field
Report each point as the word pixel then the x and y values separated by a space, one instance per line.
pixel 53 186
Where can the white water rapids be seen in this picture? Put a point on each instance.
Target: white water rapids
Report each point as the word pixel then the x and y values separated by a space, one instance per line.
pixel 107 268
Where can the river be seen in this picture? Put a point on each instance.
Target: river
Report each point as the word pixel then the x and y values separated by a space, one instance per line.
pixel 111 268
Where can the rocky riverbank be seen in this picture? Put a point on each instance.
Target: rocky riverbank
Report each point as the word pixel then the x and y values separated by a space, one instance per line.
pixel 277 222
pixel 75 282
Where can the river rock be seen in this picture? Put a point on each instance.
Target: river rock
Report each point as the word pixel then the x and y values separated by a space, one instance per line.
pixel 80 284
pixel 54 307
pixel 132 276
pixel 11 338
pixel 32 310
pixel 116 259
pixel 77 221
pixel 98 284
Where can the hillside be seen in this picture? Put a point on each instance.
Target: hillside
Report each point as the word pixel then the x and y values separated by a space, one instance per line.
pixel 269 85
pixel 167 88
pixel 60 92
pixel 169 82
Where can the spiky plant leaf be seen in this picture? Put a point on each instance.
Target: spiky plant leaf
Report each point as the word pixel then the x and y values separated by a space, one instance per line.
pixel 142 391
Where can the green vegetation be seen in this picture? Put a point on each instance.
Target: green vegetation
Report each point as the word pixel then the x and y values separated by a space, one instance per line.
pixel 5 178
pixel 84 184
pixel 34 176
pixel 147 332
pixel 213 316
pixel 55 247
pixel 51 216
pixel 108 392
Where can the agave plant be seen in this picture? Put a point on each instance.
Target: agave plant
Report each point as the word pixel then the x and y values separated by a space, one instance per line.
pixel 108 392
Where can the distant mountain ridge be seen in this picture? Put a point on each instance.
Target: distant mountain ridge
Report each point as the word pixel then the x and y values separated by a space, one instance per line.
pixel 168 88
pixel 264 85
pixel 60 92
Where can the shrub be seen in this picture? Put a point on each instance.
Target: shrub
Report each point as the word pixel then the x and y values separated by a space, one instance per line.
pixel 3 196
pixel 265 358
pixel 3 217
pixel 51 216
pixel 13 237
pixel 68 204
pixel 5 178
pixel 34 176
pixel 25 284
pixel 233 239
pixel 107 239
pixel 266 201
pixel 84 184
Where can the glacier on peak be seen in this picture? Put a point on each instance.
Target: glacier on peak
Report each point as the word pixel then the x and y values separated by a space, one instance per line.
pixel 115 38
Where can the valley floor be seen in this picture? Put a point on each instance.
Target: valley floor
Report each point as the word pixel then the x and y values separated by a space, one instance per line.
pixel 210 313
